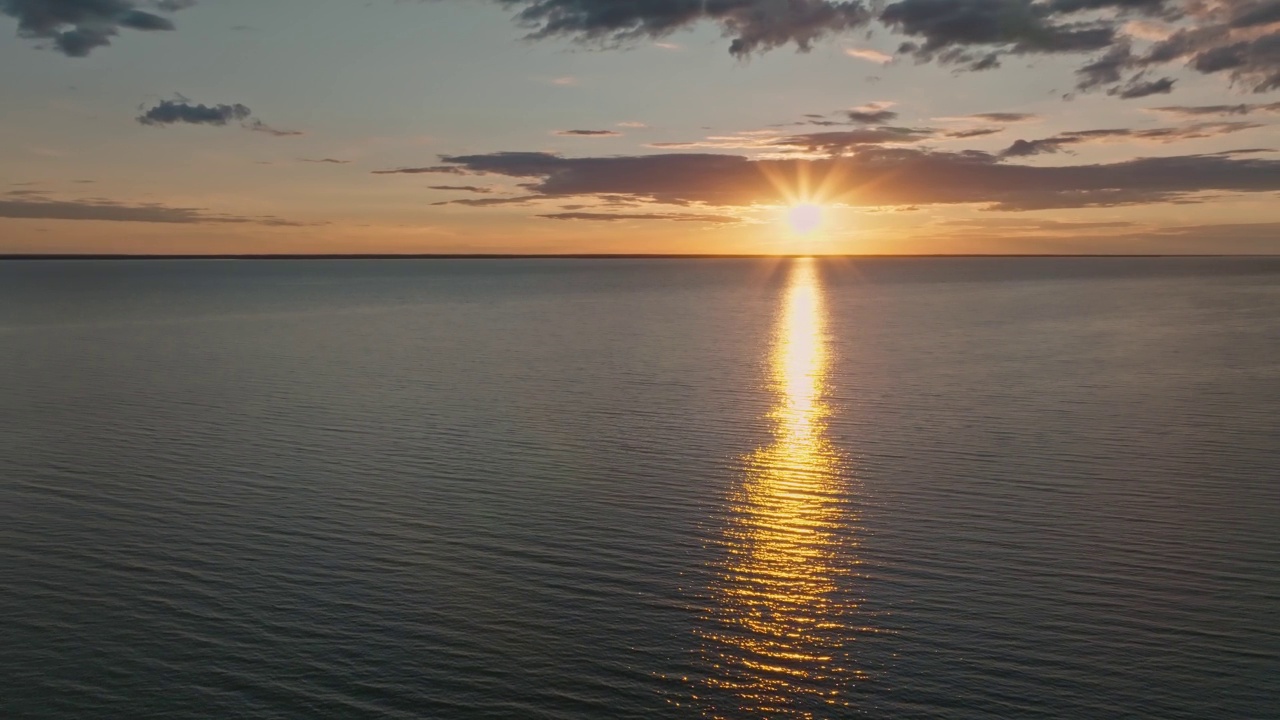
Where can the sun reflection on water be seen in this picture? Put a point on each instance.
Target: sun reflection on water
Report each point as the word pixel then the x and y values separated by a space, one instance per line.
pixel 776 641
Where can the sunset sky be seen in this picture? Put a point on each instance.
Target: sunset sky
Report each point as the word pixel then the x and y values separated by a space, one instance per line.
pixel 666 126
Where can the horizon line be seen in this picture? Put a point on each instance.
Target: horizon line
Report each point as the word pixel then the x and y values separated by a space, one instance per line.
pixel 592 256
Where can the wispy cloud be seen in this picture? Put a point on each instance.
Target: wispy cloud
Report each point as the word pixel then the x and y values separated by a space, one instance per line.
pixel 587 133
pixel 995 117
pixel 1063 141
pixel 462 188
pixel 259 126
pixel 428 170
pixel 869 55
pixel 114 211
pixel 1200 110
pixel 619 217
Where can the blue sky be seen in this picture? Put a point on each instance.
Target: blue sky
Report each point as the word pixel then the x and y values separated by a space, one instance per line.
pixel 372 87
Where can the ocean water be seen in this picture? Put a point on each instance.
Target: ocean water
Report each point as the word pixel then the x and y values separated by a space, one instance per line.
pixel 932 488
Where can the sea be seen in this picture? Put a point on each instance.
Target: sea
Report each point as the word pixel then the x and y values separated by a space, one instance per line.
pixel 640 488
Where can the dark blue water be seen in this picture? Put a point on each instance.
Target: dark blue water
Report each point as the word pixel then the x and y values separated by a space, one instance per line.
pixel 945 488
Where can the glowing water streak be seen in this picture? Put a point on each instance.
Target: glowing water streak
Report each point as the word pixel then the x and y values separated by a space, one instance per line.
pixel 777 639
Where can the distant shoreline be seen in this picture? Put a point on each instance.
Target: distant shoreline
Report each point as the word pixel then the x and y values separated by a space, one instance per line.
pixel 581 256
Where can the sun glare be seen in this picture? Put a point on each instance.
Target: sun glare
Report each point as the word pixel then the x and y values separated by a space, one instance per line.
pixel 804 218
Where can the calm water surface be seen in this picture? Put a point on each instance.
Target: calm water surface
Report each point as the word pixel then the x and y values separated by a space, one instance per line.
pixel 944 488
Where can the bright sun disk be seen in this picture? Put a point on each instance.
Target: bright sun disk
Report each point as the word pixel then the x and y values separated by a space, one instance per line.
pixel 804 218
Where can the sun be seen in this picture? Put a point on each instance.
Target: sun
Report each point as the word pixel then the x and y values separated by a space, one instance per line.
pixel 804 218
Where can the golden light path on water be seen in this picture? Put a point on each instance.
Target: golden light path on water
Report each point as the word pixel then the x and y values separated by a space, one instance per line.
pixel 777 638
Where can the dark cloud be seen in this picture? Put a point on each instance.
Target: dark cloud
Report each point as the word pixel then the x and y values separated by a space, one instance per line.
pixel 754 25
pixel 77 27
pixel 1005 117
pixel 1254 14
pixel 433 169
pixel 840 141
pixel 111 211
pixel 588 133
pixel 1107 69
pixel 876 113
pixel 462 188
pixel 172 112
pixel 972 133
pixel 259 126
pixel 615 217
pixel 1199 110
pixel 183 111
pixel 1150 7
pixel 1234 37
pixel 490 202
pixel 1142 88
pixel 1253 62
pixel 1061 141
pixel 329 161
pixel 967 31
pixel 871 115
pixel 880 176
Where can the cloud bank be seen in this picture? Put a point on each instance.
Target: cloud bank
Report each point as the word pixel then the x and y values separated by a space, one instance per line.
pixel 878 176
pixel 113 211
pixel 1238 40
pixel 753 25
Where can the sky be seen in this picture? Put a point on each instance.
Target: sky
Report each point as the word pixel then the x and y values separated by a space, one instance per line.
pixel 640 126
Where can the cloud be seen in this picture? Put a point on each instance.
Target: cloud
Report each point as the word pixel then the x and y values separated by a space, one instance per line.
pixel 259 126
pixel 633 125
pixel 1199 110
pixel 462 188
pixel 329 161
pixel 173 112
pixel 112 211
pixel 1033 224
pixel 972 133
pixel 184 112
pixel 1057 143
pixel 616 217
pixel 835 141
pixel 871 113
pixel 490 202
pixel 754 25
pixel 1235 37
pixel 77 27
pixel 1005 117
pixel 869 55
pixel 840 141
pixel 432 169
pixel 880 176
pixel 587 133
pixel 1239 38
pixel 948 30
pixel 1137 88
